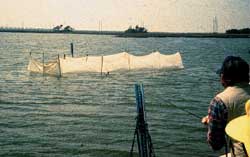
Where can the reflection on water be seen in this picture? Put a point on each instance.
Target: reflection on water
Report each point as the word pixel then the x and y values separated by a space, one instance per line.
pixel 91 115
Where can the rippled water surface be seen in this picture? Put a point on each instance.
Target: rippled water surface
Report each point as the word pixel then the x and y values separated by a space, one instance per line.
pixel 90 115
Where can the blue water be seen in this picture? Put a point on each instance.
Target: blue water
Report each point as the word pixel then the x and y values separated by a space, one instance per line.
pixel 89 115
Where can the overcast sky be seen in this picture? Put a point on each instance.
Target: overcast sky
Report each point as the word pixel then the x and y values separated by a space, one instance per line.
pixel 156 15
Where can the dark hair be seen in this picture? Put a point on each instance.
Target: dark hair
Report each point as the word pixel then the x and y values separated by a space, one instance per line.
pixel 235 70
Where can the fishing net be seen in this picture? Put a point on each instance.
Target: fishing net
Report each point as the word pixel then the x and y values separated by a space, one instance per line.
pixel 51 68
pixel 109 63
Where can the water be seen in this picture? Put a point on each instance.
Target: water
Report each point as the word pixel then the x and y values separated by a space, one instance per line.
pixel 89 115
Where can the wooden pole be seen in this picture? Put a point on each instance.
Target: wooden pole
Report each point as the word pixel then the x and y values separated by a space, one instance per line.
pixel 72 49
pixel 87 58
pixel 59 66
pixel 101 64
pixel 43 63
pixel 128 61
pixel 159 61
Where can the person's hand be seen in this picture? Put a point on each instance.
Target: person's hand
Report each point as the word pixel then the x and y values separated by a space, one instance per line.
pixel 205 120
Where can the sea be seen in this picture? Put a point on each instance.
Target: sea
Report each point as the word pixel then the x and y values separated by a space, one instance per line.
pixel 89 115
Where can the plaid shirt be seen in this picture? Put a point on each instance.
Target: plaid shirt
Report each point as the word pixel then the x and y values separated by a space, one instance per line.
pixel 217 114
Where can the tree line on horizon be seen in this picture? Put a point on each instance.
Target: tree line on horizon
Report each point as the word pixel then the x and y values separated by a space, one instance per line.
pixel 60 28
pixel 238 31
pixel 137 29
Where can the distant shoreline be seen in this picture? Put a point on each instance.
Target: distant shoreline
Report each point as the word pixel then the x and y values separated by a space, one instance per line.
pixel 128 35
pixel 187 35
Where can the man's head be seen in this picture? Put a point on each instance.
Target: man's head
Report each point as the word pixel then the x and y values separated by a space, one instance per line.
pixel 234 70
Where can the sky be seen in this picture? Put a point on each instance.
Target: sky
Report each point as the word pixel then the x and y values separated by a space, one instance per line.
pixel 155 15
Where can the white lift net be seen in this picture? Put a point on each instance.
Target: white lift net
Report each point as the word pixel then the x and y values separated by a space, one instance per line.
pixel 106 64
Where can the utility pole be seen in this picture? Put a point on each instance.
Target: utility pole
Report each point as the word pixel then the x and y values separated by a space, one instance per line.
pixel 215 25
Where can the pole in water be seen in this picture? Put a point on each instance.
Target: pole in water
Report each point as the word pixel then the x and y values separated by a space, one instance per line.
pixel 101 65
pixel 43 63
pixel 72 49
pixel 59 66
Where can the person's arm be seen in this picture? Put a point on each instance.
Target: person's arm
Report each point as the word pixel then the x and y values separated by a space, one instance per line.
pixel 217 120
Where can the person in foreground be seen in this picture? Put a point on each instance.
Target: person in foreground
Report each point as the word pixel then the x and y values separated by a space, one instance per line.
pixel 229 104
